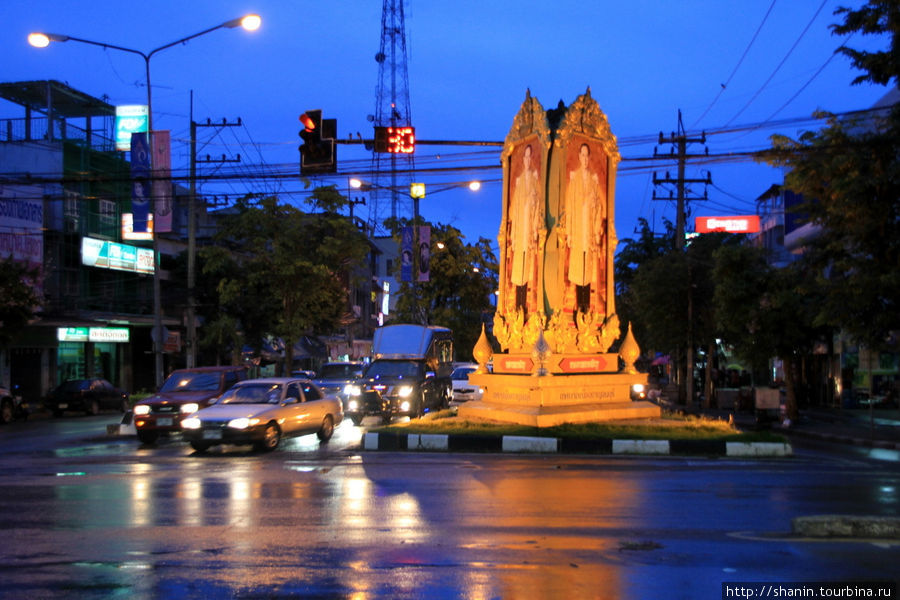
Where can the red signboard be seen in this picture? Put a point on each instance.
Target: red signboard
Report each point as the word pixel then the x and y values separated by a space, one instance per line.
pixel 586 364
pixel 737 224
pixel 513 364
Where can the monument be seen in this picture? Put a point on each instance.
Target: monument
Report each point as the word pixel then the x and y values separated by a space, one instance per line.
pixel 556 319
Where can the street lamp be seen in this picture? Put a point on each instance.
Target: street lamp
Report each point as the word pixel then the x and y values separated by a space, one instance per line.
pixel 42 40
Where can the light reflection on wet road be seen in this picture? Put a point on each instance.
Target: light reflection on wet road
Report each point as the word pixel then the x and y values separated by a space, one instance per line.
pixel 90 517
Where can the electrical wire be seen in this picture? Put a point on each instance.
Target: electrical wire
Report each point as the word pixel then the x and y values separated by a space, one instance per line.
pixel 724 86
pixel 777 68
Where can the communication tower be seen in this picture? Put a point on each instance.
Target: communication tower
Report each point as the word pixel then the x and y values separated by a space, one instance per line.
pixel 392 171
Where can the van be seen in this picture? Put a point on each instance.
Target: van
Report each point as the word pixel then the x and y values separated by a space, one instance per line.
pixel 409 374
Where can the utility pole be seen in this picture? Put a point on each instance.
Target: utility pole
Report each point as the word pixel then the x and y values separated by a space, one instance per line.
pixel 191 359
pixel 680 140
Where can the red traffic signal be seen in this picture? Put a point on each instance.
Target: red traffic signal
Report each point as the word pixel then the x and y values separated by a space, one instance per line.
pixel 318 153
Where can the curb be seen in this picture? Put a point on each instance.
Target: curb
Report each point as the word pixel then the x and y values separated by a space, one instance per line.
pixel 847 526
pixel 548 445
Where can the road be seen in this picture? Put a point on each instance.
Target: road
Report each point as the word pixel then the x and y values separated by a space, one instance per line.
pixel 84 515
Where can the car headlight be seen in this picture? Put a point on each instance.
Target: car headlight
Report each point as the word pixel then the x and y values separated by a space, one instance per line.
pixel 638 388
pixel 190 407
pixel 352 390
pixel 141 409
pixel 352 405
pixel 242 423
pixel 404 406
pixel 404 390
pixel 191 423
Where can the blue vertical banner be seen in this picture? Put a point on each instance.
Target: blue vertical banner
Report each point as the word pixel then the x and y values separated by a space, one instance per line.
pixel 140 180
pixel 424 253
pixel 406 254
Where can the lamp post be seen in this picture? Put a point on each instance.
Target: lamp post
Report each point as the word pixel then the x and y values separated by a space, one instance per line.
pixel 42 40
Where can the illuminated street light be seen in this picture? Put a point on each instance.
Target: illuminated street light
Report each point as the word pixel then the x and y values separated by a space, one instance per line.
pixel 250 22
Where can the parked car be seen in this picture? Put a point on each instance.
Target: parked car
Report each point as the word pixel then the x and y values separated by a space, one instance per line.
pixel 89 396
pixel 184 392
pixel 11 406
pixel 334 377
pixel 463 391
pixel 262 412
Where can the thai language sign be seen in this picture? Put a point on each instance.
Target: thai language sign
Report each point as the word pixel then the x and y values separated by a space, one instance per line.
pixel 21 224
pixel 738 224
pixel 119 257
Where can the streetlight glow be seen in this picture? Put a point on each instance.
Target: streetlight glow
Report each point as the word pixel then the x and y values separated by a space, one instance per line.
pixel 39 40
pixel 251 22
pixel 474 185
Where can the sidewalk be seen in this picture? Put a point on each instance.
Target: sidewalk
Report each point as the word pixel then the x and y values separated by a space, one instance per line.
pixel 874 428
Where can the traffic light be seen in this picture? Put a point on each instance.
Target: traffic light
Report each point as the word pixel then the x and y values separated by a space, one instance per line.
pixel 318 153
pixel 396 140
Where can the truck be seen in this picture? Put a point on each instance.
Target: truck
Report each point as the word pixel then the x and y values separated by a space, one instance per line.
pixel 409 374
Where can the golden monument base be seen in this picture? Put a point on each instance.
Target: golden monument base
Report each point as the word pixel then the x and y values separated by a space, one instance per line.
pixel 545 401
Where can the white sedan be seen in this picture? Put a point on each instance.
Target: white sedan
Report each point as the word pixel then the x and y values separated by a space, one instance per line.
pixel 261 412
pixel 463 391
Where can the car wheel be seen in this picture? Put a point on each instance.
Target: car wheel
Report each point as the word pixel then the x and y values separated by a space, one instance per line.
pixel 200 446
pixel 147 437
pixel 357 420
pixel 6 411
pixel 271 438
pixel 93 408
pixel 420 407
pixel 327 430
pixel 448 395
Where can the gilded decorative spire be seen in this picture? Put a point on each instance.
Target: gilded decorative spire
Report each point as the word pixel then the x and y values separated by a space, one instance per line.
pixel 629 351
pixel 482 352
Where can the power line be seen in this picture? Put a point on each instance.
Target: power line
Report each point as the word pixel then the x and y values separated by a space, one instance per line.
pixel 777 68
pixel 724 86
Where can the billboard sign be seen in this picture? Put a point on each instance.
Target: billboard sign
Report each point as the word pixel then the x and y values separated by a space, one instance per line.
pixel 737 224
pixel 130 118
pixel 118 257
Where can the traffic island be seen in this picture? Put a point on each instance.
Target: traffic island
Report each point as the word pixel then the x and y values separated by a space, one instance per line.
pixel 847 526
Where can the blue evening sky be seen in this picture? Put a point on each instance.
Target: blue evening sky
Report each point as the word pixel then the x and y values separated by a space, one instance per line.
pixel 470 63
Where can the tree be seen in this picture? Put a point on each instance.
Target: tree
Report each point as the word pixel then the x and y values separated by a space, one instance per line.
pixel 849 176
pixel 18 299
pixel 285 271
pixel 458 294
pixel 763 311
pixel 669 303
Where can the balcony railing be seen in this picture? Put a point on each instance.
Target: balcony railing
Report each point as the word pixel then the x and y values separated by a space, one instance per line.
pixel 22 130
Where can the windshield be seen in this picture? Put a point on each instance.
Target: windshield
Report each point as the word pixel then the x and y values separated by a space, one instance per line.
pixel 75 385
pixel 339 372
pixel 393 368
pixel 262 393
pixel 462 373
pixel 192 382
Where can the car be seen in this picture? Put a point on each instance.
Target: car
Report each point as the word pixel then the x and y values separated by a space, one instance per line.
pixel 263 411
pixel 89 396
pixel 463 391
pixel 334 377
pixel 183 392
pixel 11 405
